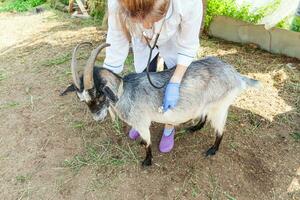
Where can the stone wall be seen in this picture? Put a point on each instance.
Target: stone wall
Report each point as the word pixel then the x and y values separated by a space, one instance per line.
pixel 275 40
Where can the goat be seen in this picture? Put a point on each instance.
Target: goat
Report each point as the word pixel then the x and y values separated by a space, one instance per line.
pixel 208 88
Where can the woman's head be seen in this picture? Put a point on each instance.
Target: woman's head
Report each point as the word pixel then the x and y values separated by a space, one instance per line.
pixel 144 11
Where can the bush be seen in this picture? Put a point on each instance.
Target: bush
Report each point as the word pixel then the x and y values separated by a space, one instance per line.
pixel 58 4
pixel 20 5
pixel 66 2
pixel 231 9
pixel 97 8
pixel 295 26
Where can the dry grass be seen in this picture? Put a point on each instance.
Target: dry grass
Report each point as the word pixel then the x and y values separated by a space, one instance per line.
pixel 279 77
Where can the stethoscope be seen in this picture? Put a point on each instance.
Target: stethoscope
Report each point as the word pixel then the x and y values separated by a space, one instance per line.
pixel 150 56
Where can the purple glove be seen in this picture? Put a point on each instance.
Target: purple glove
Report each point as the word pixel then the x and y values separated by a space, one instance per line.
pixel 171 96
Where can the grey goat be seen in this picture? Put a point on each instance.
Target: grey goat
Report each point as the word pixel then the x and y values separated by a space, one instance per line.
pixel 207 90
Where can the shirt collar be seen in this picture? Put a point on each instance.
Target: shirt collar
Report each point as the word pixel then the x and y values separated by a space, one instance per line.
pixel 170 10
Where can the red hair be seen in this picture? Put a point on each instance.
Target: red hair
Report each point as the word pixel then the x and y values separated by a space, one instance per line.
pixel 137 8
pixel 140 9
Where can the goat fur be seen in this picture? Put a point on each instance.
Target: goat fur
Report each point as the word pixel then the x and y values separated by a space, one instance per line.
pixel 208 88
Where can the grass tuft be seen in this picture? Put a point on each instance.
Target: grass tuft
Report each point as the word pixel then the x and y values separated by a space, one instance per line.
pixel 118 126
pixel 215 192
pixel 66 57
pixel 233 146
pixel 104 154
pixel 180 134
pixel 9 105
pixel 229 197
pixel 3 75
pixel 78 125
pixel 22 178
pixel 296 136
pixel 195 189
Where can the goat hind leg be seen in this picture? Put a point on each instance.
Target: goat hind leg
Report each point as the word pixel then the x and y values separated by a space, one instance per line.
pixel 198 126
pixel 212 150
pixel 218 119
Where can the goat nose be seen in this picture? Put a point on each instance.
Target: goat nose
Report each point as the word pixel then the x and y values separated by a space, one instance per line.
pixel 97 117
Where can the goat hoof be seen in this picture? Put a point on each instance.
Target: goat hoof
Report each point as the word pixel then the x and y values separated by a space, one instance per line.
pixel 147 162
pixel 211 151
pixel 143 143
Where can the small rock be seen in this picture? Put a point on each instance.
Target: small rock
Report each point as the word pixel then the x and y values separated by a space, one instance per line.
pixel 253 46
pixel 39 10
pixel 291 66
pixel 294 186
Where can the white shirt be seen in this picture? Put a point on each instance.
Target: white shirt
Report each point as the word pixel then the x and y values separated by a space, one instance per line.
pixel 177 44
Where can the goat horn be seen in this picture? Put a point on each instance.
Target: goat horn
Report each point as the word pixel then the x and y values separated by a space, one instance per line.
pixel 88 71
pixel 75 75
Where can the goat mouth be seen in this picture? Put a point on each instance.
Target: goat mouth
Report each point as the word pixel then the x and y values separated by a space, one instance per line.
pixel 100 115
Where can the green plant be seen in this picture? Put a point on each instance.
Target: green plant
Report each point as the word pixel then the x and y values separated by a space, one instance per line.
pixel 57 3
pixel 22 178
pixel 20 5
pixel 229 197
pixel 231 9
pixel 9 105
pixel 66 2
pixel 284 24
pixel 97 8
pixel 118 126
pixel 295 26
pixel 57 60
pixel 3 75
pixel 78 125
pixel 296 136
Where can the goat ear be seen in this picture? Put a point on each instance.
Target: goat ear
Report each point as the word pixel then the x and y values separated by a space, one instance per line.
pixel 110 94
pixel 70 88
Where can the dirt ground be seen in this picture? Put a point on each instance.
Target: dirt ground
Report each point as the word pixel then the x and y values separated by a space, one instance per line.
pixel 50 148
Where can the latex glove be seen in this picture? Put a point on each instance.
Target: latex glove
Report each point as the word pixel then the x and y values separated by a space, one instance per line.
pixel 171 96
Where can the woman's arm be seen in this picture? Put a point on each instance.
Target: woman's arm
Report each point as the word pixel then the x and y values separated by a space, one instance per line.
pixel 188 35
pixel 117 53
pixel 178 74
pixel 188 44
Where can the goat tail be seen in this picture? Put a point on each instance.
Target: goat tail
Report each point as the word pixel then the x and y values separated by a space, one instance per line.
pixel 249 82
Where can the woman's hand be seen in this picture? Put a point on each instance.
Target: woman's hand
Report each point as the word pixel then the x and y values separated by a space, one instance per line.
pixel 172 90
pixel 171 96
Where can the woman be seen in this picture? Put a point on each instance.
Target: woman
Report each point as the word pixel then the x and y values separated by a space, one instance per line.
pixel 178 24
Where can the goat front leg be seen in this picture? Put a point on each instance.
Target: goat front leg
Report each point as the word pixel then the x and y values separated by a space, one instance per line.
pixel 145 135
pixel 148 159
